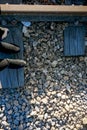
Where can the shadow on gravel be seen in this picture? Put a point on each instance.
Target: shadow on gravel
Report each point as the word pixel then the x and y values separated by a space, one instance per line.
pixel 14 109
pixel 84 127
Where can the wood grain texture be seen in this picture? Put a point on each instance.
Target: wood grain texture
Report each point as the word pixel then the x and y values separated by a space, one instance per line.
pixel 74 41
pixel 33 9
pixel 12 78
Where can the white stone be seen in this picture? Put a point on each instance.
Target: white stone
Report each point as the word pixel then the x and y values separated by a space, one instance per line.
pixel 64 111
pixel 45 116
pixel 53 123
pixel 33 113
pixel 37 109
pixel 78 126
pixel 38 128
pixel 33 101
pixel 54 63
pixel 40 117
pixel 71 106
pixel 1 115
pixel 67 107
pixel 44 100
pixel 85 120
pixel 63 96
pixel 5 123
pixel 53 92
pixel 59 95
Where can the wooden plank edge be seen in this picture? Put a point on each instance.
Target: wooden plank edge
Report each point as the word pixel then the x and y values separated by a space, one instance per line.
pixel 55 9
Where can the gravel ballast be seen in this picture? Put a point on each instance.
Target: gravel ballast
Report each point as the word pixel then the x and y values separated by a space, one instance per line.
pixel 55 93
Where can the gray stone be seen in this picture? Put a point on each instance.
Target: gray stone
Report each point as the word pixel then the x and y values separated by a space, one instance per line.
pixel 8 105
pixel 16 122
pixel 20 127
pixel 68 88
